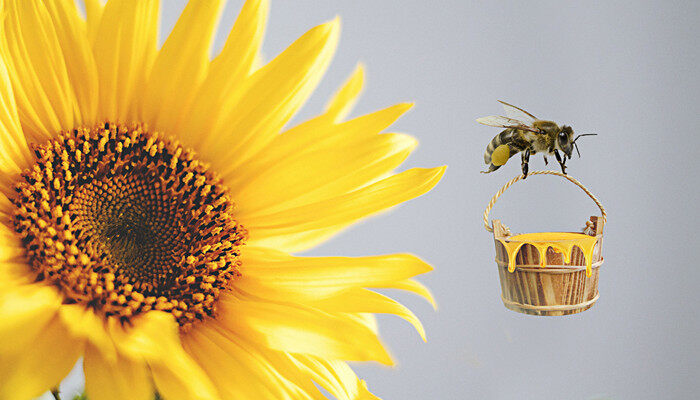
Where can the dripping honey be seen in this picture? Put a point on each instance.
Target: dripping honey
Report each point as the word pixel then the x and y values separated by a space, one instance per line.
pixel 562 242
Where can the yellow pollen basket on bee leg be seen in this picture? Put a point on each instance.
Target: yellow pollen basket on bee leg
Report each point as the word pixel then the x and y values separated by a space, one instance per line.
pixel 548 273
pixel 501 155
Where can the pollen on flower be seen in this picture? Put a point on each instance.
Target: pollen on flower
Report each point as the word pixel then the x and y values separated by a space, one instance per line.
pixel 125 222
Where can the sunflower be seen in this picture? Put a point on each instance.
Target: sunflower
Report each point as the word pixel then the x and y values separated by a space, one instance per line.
pixel 151 201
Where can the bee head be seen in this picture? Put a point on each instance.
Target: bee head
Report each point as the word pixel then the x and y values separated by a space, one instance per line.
pixel 565 140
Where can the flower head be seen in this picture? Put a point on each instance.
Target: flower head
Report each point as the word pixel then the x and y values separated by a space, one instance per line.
pixel 151 199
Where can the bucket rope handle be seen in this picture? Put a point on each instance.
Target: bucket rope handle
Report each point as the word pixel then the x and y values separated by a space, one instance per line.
pixel 517 178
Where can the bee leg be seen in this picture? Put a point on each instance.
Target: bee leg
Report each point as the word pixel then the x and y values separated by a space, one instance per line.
pixel 525 159
pixel 562 163
pixel 545 160
pixel 491 169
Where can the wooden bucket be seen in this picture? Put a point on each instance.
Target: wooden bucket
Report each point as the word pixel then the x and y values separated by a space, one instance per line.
pixel 551 286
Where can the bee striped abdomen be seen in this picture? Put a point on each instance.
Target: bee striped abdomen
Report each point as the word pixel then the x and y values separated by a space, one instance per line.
pixel 496 157
pixel 504 137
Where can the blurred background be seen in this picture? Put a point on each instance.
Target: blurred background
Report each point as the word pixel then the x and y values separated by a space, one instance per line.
pixel 626 70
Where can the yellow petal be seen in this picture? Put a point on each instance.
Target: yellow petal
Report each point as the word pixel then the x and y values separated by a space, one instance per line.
pixel 40 366
pixel 368 320
pixel 335 376
pixel 242 45
pixel 175 382
pixel 311 278
pixel 359 300
pixel 319 132
pixel 124 49
pixel 258 63
pixel 6 208
pixel 14 152
pixel 302 241
pixel 297 329
pixel 155 339
pixel 341 104
pixel 80 64
pixel 25 311
pixel 84 323
pixel 181 65
pixel 342 209
pixel 415 287
pixel 45 99
pixel 115 379
pixel 239 370
pixel 15 274
pixel 226 73
pixel 13 261
pixel 11 248
pixel 364 393
pixel 270 98
pixel 323 174
pixel 337 108
pixel 315 135
pixel 93 11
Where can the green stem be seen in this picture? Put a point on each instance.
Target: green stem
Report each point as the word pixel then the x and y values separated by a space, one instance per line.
pixel 55 394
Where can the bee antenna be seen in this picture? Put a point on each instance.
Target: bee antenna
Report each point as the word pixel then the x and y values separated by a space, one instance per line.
pixel 585 134
pixel 576 147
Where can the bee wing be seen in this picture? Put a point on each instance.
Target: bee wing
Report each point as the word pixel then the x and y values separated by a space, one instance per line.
pixel 518 113
pixel 499 121
pixel 505 122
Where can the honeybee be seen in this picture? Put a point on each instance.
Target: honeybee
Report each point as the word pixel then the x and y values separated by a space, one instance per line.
pixel 530 135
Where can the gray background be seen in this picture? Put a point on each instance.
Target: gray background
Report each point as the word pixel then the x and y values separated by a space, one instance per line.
pixel 626 70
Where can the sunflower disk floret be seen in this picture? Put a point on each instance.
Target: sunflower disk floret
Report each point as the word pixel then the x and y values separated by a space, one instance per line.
pixel 125 222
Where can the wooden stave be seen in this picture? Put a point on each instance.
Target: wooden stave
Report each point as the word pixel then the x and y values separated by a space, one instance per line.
pixel 571 291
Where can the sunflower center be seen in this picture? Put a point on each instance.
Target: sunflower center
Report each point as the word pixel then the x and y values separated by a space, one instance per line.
pixel 141 232
pixel 126 222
